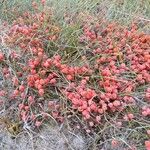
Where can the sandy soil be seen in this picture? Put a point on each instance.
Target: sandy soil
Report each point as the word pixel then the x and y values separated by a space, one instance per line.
pixel 49 138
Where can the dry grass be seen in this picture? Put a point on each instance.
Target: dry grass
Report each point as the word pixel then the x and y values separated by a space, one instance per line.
pixel 47 138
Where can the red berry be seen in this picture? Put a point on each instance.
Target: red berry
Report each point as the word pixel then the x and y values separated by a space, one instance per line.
pixel 38 123
pixel 53 81
pixel 114 143
pixel 41 92
pixel 21 88
pixel 69 77
pixel 21 106
pixel 16 92
pixel 40 54
pixel 1 57
pixel 116 103
pixel 147 145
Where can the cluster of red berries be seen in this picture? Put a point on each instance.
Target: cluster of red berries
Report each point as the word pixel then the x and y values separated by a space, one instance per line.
pixel 128 117
pixel 146 111
pixel 32 69
pixel 122 65
pixel 115 70
pixel 37 71
pixel 118 64
pixel 147 95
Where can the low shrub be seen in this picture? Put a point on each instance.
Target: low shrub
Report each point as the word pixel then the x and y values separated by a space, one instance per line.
pixel 111 74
